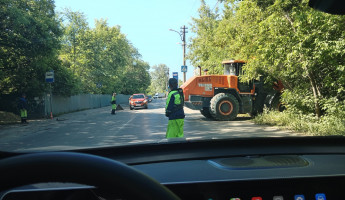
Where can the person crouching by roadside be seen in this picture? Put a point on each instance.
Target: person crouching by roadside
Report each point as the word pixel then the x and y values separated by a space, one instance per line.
pixel 23 106
pixel 113 103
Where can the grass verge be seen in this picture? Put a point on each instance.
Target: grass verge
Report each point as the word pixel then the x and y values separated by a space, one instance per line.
pixel 326 125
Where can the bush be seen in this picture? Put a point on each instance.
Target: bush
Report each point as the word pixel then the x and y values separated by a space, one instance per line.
pixel 333 107
pixel 298 100
pixel 299 122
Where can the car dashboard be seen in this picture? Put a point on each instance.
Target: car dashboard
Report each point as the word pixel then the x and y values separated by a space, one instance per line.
pixel 233 169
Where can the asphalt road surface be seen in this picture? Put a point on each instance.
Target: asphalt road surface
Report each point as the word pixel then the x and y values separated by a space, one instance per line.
pixel 97 127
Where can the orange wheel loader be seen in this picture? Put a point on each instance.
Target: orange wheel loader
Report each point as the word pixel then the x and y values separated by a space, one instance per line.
pixel 223 97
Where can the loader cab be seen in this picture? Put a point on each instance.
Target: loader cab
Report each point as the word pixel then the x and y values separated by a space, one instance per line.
pixel 233 67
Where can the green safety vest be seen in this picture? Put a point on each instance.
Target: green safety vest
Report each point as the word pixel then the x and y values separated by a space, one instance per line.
pixel 113 99
pixel 178 103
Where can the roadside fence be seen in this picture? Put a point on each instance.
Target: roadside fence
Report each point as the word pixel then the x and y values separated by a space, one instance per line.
pixel 80 102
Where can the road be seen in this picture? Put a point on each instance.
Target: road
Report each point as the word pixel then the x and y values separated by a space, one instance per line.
pixel 97 127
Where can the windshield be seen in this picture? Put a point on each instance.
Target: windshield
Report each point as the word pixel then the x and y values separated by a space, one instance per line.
pixel 138 97
pixel 68 70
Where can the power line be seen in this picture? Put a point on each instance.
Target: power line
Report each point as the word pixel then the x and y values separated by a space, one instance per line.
pixel 215 5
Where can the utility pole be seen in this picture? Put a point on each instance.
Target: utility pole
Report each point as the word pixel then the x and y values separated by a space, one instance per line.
pixel 183 30
pixel 182 34
pixel 167 85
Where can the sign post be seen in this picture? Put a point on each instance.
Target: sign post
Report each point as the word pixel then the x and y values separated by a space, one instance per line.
pixel 184 70
pixel 50 80
pixel 175 76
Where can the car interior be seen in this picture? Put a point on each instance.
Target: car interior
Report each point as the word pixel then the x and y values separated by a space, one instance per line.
pixel 223 169
pixel 257 168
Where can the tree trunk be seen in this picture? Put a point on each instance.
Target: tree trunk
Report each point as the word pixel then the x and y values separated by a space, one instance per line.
pixel 316 94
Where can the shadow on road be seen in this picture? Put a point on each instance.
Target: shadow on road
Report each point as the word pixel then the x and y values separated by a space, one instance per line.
pixel 237 119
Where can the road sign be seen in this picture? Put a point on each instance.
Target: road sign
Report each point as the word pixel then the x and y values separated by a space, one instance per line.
pixel 183 68
pixel 175 75
pixel 50 76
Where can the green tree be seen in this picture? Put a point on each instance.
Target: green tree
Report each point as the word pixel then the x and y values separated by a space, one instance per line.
pixel 159 78
pixel 29 40
pixel 180 82
pixel 281 39
pixel 202 51
pixel 74 25
pixel 302 47
pixel 106 49
pixel 101 58
pixel 134 78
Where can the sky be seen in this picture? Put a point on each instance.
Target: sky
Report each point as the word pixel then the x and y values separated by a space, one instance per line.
pixel 146 24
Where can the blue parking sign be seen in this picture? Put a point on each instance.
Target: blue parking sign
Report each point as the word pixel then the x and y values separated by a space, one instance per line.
pixel 50 76
pixel 175 75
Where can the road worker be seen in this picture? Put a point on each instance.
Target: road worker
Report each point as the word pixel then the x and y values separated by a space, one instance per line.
pixel 113 103
pixel 23 106
pixel 174 110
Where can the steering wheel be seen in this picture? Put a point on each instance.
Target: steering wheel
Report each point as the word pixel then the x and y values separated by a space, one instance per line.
pixel 103 173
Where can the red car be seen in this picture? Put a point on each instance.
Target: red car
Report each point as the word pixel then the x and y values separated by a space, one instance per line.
pixel 138 101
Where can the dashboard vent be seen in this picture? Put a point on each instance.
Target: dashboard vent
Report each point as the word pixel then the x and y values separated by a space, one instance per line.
pixel 263 162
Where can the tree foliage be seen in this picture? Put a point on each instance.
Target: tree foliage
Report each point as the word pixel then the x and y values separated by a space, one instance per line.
pixel 34 40
pixel 159 78
pixel 281 39
pixel 29 39
pixel 134 78
pixel 202 51
pixel 101 58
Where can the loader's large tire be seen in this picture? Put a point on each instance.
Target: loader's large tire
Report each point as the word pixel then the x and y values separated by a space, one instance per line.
pixel 206 112
pixel 224 107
